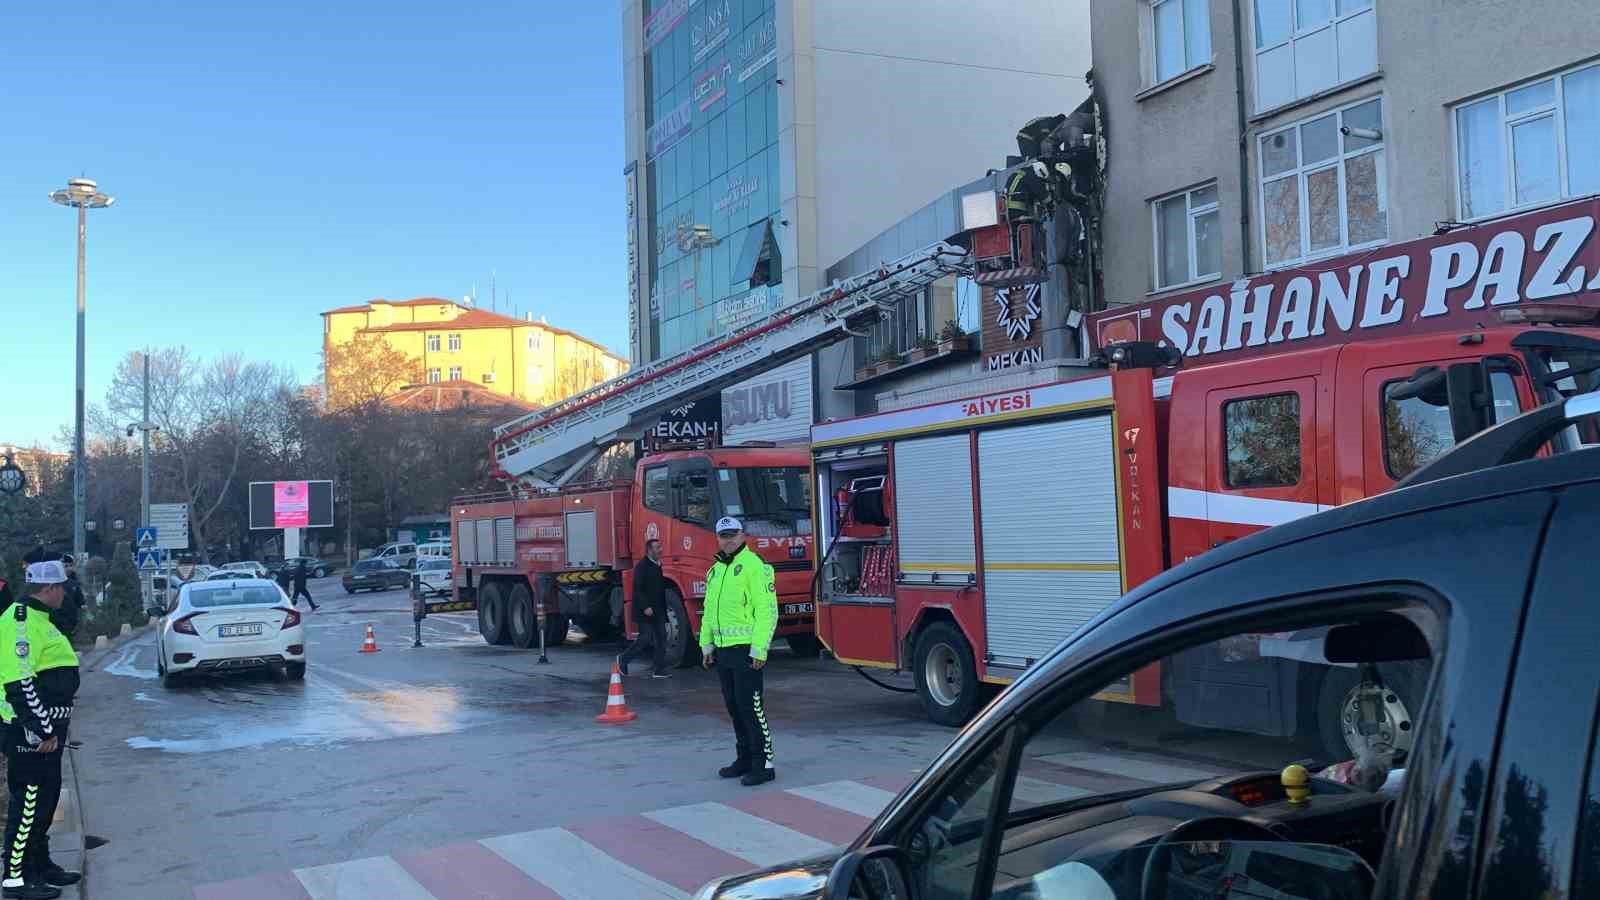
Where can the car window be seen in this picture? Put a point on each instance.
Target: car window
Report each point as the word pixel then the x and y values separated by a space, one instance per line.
pixel 431 565
pixel 234 595
pixel 1262 437
pixel 1225 718
pixel 1417 430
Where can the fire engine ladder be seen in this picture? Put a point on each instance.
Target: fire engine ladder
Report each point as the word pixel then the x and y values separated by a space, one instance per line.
pixel 549 447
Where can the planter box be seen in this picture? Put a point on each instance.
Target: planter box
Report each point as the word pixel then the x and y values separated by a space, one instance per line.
pixel 921 353
pixel 953 344
pixel 866 372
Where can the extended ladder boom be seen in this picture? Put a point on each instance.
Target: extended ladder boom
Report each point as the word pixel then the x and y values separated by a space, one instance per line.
pixel 547 448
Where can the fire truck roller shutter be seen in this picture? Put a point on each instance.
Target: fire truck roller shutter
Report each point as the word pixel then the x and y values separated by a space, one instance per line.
pixel 933 509
pixel 1051 559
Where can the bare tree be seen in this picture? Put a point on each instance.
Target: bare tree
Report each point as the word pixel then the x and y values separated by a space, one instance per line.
pixel 364 370
pixel 208 413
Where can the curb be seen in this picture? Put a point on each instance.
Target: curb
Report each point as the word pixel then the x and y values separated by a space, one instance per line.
pixel 73 823
pixel 103 647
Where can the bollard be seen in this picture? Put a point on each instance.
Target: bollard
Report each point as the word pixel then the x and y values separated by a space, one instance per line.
pixel 419 610
pixel 544 660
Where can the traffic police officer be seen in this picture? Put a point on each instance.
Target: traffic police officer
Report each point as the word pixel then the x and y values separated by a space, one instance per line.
pixel 736 626
pixel 40 674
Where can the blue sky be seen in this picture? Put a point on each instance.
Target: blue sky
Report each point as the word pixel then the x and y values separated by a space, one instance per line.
pixel 272 160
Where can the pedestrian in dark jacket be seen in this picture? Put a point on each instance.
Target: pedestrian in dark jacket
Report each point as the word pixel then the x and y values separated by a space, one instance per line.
pixel 649 612
pixel 66 618
pixel 300 585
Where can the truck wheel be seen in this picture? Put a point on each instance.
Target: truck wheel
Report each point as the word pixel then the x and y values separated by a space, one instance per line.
pixel 555 630
pixel 521 622
pixel 681 648
pixel 492 614
pixel 805 646
pixel 946 676
pixel 1337 713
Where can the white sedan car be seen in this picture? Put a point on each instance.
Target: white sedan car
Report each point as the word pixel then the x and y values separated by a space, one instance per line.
pixel 229 626
pixel 432 576
pixel 250 567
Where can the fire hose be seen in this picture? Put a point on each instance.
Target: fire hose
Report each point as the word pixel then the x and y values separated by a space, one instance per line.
pixel 816 578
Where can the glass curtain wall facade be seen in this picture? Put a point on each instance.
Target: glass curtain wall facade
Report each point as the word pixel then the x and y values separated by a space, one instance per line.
pixel 711 166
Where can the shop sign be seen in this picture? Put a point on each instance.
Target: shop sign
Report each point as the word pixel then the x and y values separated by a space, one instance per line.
pixel 662 21
pixel 757 403
pixel 1026 355
pixel 740 189
pixel 630 180
pixel 710 28
pixel 669 129
pixel 711 85
pixel 757 48
pixel 1447 282
pixel 737 311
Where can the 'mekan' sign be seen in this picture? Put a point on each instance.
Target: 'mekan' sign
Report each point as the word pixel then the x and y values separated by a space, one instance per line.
pixel 1454 281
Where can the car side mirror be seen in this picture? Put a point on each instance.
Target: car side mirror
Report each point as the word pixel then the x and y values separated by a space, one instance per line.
pixel 1467 385
pixel 155 612
pixel 880 871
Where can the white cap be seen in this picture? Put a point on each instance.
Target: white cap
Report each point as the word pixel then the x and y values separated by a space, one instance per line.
pixel 728 523
pixel 46 573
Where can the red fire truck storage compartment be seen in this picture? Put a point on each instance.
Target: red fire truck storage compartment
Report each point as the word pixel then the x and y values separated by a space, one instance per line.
pixel 859 633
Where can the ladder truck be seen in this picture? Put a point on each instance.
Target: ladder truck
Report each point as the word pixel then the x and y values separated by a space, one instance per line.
pixel 554 547
pixel 963 540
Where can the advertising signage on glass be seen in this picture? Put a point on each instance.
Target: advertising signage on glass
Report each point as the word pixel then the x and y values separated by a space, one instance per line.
pixel 711 85
pixel 1449 282
pixel 669 129
pixel 742 309
pixel 758 47
pixel 663 20
pixel 740 189
pixel 711 27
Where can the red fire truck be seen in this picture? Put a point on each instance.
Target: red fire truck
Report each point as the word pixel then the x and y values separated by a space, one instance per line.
pixel 548 541
pixel 573 548
pixel 965 539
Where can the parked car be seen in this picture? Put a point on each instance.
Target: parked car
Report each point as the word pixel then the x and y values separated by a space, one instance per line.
pixel 1460 607
pixel 432 576
pixel 315 568
pixel 434 550
pixel 375 575
pixel 158 582
pixel 256 569
pixel 229 626
pixel 403 553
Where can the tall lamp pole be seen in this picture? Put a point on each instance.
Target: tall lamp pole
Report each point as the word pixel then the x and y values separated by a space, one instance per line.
pixel 84 195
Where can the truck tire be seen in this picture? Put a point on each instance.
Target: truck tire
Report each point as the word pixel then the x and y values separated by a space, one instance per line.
pixel 521 622
pixel 946 675
pixel 1404 683
pixel 805 646
pixel 492 614
pixel 555 630
pixel 681 647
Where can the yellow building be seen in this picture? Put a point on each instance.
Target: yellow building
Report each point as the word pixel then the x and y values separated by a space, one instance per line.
pixel 445 341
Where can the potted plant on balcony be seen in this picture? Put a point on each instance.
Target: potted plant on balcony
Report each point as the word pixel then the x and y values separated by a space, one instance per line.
pixel 926 347
pixel 951 337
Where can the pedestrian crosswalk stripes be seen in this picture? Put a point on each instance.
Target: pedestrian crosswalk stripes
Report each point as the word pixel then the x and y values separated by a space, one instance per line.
pixel 665 854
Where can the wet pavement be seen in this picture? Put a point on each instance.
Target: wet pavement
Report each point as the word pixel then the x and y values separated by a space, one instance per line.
pixel 385 754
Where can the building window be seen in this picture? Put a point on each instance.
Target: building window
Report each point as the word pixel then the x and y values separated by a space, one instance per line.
pixel 433 376
pixel 433 343
pixel 1304 47
pixel 1324 185
pixel 1262 437
pixel 455 343
pixel 455 373
pixel 1181 34
pixel 535 341
pixel 1188 237
pixel 1529 145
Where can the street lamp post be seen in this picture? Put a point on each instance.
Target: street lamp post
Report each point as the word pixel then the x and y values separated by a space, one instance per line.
pixel 84 195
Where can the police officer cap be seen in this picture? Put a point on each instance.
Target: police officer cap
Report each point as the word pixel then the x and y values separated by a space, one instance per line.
pixel 728 524
pixel 46 573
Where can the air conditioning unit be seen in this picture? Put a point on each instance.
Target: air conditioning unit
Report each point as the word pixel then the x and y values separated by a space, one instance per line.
pixel 488 378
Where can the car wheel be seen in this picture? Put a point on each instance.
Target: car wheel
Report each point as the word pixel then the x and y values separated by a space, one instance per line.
pixel 805 646
pixel 946 675
pixel 169 680
pixel 295 670
pixel 350 591
pixel 319 573
pixel 520 618
pixel 1338 710
pixel 492 614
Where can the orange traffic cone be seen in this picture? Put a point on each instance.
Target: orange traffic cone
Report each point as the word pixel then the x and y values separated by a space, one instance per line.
pixel 617 710
pixel 370 645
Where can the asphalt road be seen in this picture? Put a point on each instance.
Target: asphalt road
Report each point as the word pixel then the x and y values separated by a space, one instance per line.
pixel 409 749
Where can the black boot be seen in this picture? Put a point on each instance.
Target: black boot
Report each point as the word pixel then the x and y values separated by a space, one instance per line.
pixel 34 889
pixel 741 766
pixel 759 776
pixel 57 876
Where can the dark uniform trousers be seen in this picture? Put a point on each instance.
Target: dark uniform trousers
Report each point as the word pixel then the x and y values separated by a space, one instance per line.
pixel 741 691
pixel 34 782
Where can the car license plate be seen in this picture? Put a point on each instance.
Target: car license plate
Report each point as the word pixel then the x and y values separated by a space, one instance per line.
pixel 253 628
pixel 796 609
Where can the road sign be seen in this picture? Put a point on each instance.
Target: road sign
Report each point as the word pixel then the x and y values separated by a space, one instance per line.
pixel 171 520
pixel 144 538
pixel 149 560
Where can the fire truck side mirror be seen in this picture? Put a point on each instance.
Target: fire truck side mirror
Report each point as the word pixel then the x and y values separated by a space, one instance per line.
pixel 1142 355
pixel 1471 405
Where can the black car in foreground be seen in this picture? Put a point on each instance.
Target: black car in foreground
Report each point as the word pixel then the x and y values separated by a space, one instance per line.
pixel 375 575
pixel 1464 607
